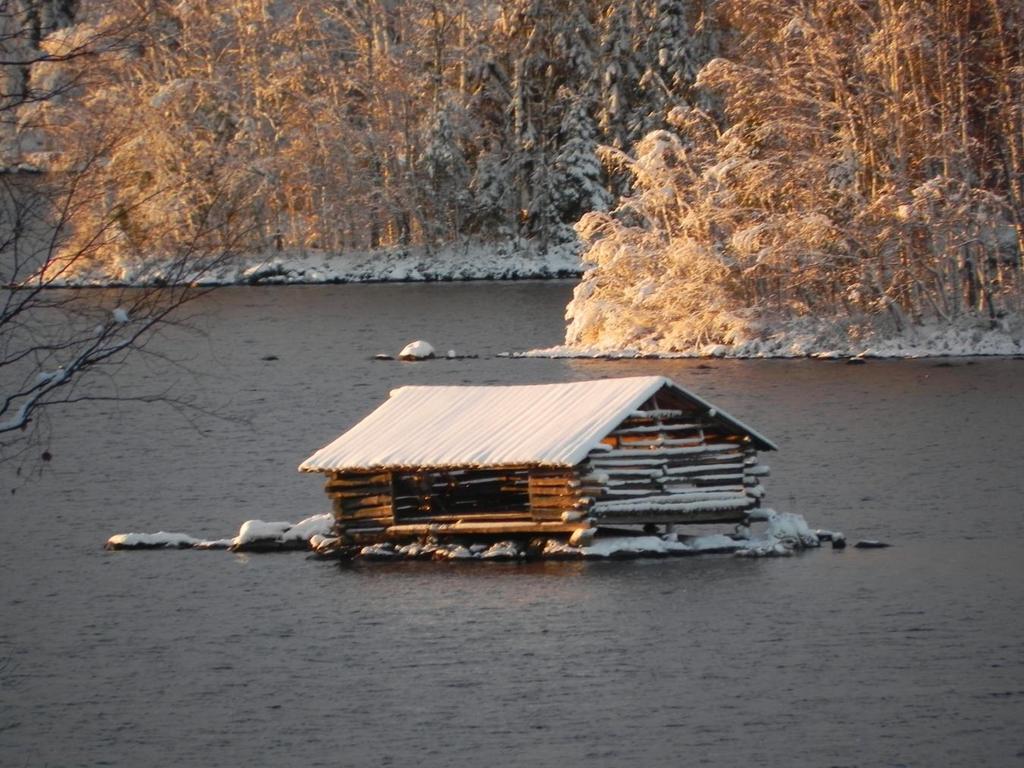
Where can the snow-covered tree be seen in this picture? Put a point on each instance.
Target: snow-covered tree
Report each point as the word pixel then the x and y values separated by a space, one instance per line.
pixel 619 76
pixel 865 180
pixel 681 39
pixel 578 178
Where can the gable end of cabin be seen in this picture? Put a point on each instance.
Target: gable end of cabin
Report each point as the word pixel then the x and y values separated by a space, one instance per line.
pixel 674 460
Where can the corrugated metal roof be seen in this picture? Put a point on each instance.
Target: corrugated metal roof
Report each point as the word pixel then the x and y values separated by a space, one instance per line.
pixel 535 425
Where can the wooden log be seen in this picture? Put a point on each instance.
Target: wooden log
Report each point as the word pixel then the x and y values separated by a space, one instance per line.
pixel 646 429
pixel 721 479
pixel 356 491
pixel 506 516
pixel 470 480
pixel 364 501
pixel 633 481
pixel 625 493
pixel 551 515
pixel 649 461
pixel 368 524
pixel 698 464
pixel 555 511
pixel 657 413
pixel 667 442
pixel 621 474
pixel 664 453
pixel 567 481
pixel 484 528
pixel 697 468
pixel 554 493
pixel 673 518
pixel 551 472
pixel 554 504
pixel 361 513
pixel 376 478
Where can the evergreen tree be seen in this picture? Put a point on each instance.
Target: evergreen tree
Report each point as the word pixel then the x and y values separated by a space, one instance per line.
pixel 619 77
pixel 578 178
pixel 445 164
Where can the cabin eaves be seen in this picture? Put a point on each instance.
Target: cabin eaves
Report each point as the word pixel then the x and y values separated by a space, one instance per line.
pixel 537 425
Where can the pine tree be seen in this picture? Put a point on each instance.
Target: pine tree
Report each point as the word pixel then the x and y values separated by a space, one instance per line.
pixel 619 77
pixel 445 163
pixel 578 177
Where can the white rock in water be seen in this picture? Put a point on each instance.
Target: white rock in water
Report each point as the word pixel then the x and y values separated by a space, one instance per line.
pixel 121 316
pixel 417 350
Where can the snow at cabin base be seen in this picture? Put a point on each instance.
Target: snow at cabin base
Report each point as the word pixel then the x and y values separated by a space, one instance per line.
pixel 784 534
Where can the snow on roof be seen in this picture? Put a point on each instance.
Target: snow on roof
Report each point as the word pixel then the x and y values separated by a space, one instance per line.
pixel 534 425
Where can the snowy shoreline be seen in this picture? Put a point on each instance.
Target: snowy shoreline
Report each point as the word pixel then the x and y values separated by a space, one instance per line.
pixel 470 262
pixel 827 339
pixel 831 339
pixel 783 534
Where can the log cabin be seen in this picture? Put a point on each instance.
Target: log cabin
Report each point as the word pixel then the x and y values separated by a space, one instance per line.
pixel 554 460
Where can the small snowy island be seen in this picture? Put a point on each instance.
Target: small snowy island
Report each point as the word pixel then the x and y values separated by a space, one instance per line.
pixel 781 535
pixel 592 469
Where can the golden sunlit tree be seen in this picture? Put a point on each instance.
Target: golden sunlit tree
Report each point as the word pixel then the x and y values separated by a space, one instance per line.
pixel 865 174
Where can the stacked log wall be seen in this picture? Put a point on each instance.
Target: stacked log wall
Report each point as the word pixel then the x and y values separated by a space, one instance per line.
pixel 675 465
pixel 361 501
pixel 561 495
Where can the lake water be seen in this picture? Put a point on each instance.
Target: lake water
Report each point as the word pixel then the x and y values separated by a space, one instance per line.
pixel 911 655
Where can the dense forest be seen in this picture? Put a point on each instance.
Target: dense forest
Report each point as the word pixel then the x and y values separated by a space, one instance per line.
pixel 355 125
pixel 727 166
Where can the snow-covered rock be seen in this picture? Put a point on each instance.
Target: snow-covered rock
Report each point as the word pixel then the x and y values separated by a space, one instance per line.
pixel 502 550
pixel 157 540
pixel 384 551
pixel 417 350
pixel 257 530
pixel 304 530
pixel 257 533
